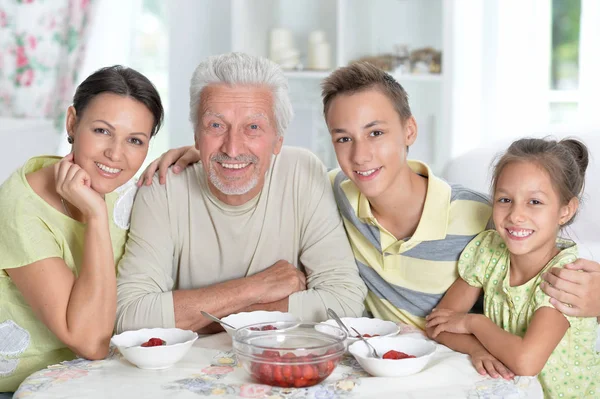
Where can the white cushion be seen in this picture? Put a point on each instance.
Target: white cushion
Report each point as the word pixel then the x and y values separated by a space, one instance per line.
pixel 474 170
pixel 22 139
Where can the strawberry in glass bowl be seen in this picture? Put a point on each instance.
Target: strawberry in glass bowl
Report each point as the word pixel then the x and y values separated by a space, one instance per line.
pixel 293 354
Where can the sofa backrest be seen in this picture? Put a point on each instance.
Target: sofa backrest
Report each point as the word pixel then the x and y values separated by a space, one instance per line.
pixel 474 170
pixel 22 139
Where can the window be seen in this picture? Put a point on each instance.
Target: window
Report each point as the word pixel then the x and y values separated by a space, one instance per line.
pixel 149 55
pixel 564 68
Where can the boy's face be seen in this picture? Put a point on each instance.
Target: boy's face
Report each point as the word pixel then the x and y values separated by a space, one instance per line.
pixel 370 139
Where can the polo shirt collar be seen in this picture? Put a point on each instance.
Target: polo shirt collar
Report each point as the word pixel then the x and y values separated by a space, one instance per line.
pixel 433 224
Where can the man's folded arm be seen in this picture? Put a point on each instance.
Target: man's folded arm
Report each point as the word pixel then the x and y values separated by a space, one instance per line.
pixel 145 272
pixel 332 276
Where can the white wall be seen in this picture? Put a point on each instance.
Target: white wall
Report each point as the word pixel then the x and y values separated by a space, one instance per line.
pixel 22 139
pixel 193 27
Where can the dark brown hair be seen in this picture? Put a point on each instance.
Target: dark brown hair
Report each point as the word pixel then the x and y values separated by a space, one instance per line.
pixel 565 161
pixel 125 82
pixel 362 76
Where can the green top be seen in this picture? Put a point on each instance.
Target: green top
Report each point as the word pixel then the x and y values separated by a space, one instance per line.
pixel 32 230
pixel 573 369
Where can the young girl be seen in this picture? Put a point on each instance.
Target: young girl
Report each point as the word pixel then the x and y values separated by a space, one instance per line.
pixel 536 189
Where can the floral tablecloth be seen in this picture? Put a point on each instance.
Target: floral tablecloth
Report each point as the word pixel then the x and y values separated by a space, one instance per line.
pixel 210 369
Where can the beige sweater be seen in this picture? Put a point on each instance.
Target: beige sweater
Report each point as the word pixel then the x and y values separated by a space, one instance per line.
pixel 183 237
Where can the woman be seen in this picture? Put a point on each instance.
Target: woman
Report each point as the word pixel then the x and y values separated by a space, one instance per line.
pixel 63 228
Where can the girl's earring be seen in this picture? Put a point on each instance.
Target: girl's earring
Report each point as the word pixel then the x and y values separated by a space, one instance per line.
pixel 70 140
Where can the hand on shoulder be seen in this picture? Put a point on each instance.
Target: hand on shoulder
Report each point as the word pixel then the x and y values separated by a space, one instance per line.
pixel 574 289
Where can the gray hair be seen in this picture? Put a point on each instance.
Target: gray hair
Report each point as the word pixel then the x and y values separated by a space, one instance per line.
pixel 243 69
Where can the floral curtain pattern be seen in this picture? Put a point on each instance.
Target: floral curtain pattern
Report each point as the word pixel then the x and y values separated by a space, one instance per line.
pixel 42 43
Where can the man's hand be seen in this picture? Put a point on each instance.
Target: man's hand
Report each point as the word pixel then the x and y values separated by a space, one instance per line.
pixel 577 285
pixel 448 320
pixel 181 158
pixel 279 281
pixel 486 364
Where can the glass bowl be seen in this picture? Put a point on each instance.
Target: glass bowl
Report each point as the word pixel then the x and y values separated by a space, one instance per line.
pixel 260 316
pixel 289 354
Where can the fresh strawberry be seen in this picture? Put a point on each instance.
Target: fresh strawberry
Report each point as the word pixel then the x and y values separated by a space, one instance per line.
pixel 154 342
pixel 301 374
pixel 270 354
pixel 396 355
pixel 308 372
pixel 268 328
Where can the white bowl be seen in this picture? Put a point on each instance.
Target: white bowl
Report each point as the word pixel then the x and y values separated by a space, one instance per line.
pixel 366 325
pixel 155 357
pixel 260 316
pixel 420 347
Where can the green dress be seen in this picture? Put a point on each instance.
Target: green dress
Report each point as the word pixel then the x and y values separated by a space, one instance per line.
pixel 32 230
pixel 573 369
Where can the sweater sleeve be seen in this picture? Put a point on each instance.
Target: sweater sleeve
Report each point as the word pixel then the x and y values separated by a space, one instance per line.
pixel 145 273
pixel 332 275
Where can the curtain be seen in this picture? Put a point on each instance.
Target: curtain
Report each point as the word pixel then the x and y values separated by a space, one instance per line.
pixel 42 44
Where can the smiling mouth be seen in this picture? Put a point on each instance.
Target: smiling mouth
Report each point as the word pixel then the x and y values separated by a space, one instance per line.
pixel 519 233
pixel 367 172
pixel 234 165
pixel 107 169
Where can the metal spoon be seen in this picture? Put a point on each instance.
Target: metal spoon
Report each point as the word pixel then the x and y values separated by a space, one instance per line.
pixel 337 319
pixel 366 342
pixel 213 318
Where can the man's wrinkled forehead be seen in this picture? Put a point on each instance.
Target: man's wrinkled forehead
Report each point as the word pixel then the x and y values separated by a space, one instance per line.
pixel 256 115
pixel 224 101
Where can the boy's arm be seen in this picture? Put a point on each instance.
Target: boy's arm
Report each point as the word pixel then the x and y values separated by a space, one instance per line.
pixel 461 297
pixel 527 355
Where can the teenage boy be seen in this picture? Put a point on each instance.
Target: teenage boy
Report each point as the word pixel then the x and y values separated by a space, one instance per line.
pixel 406 226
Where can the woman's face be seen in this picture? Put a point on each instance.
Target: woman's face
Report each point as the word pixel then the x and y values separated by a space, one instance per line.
pixel 110 139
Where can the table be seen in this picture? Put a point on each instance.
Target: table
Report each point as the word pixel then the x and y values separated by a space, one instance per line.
pixel 210 369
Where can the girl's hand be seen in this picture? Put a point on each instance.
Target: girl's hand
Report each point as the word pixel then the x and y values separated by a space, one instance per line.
pixel 73 184
pixel 486 364
pixel 449 321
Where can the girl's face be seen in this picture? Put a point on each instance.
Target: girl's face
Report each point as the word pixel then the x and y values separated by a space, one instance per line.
pixel 111 139
pixel 369 139
pixel 527 210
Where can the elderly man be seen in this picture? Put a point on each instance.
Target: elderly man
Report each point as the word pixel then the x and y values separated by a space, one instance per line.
pixel 254 225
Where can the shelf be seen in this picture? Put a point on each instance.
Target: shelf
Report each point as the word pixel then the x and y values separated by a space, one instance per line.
pixel 418 77
pixel 399 77
pixel 306 74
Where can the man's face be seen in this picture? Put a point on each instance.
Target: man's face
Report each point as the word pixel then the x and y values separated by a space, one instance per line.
pixel 236 136
pixel 369 139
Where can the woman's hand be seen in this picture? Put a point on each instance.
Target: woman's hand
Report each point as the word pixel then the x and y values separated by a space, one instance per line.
pixel 448 320
pixel 486 364
pixel 180 158
pixel 73 184
pixel 577 285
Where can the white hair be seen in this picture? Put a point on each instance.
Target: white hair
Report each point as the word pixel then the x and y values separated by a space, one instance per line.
pixel 243 69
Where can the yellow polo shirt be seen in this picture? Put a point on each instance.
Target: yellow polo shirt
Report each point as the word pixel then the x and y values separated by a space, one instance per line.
pixel 408 277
